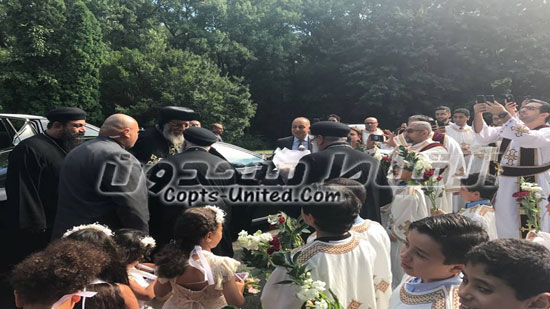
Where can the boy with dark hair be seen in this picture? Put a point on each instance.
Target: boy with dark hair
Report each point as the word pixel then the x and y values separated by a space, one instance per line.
pixel 506 274
pixel 344 260
pixel 434 257
pixel 478 193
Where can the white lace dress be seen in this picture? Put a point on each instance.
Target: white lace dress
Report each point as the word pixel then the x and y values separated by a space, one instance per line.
pixel 210 297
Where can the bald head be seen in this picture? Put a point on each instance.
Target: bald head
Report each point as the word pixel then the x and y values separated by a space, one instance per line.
pixel 371 124
pixel 122 128
pixel 300 127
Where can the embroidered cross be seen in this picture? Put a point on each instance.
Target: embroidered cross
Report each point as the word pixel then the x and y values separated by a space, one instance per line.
pixel 520 130
pixel 511 156
pixel 172 150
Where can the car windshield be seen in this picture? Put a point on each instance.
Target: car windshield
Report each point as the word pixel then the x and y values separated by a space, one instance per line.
pixel 237 156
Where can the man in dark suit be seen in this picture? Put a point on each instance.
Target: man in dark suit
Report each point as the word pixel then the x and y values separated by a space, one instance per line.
pixel 337 159
pixel 300 138
pixel 188 174
pixel 102 182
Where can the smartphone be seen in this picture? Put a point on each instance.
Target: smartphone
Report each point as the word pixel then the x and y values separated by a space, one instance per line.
pixel 241 276
pixel 490 98
pixel 480 99
pixel 510 98
pixel 377 138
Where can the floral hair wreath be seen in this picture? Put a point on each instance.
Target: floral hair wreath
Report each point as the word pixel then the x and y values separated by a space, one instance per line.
pixel 148 242
pixel 94 226
pixel 220 214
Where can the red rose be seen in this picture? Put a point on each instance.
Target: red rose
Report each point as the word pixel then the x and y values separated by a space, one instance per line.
pixel 275 241
pixel 521 194
pixel 282 219
pixel 387 159
pixel 270 250
pixel 428 174
pixel 439 178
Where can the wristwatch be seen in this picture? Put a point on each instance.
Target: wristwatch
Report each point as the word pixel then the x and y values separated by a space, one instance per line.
pixel 502 115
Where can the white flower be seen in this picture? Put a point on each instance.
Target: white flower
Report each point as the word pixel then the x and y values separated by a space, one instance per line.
pixel 148 242
pixel 252 242
pixel 535 189
pixel 220 214
pixel 422 164
pixel 318 285
pixel 94 226
pixel 273 219
pixel 307 293
pixel 321 304
pixel 378 156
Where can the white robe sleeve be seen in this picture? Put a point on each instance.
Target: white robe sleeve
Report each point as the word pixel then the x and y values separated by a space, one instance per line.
pixel 407 207
pixel 488 135
pixel 517 131
pixel 380 241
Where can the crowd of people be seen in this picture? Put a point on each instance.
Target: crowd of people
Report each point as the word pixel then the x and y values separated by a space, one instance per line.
pixel 435 214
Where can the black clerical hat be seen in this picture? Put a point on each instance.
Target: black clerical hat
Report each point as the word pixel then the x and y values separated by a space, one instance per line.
pixel 329 128
pixel 168 113
pixel 65 114
pixel 199 136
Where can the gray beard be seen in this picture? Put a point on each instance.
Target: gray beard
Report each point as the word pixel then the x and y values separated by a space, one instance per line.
pixel 177 141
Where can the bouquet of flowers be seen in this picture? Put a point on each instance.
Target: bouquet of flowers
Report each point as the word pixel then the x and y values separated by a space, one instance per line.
pixel 384 159
pixel 528 198
pixel 431 185
pixel 259 247
pixel 251 284
pixel 290 230
pixel 312 293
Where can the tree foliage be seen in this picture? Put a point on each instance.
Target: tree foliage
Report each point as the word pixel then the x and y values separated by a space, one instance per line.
pixel 260 63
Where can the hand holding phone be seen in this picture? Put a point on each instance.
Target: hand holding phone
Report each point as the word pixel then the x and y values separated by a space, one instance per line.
pixel 490 98
pixel 480 99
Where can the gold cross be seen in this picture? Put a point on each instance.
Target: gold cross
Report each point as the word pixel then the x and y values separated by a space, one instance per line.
pixel 520 130
pixel 511 156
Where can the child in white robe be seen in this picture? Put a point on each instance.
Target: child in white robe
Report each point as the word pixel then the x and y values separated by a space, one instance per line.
pixel 506 273
pixel 344 260
pixel 433 258
pixel 479 193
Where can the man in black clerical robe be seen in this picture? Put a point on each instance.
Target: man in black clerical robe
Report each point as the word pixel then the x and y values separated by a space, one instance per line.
pixel 166 138
pixel 188 173
pixel 32 180
pixel 337 159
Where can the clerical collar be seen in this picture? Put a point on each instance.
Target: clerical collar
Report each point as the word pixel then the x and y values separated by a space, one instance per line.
pixel 457 127
pixel 481 202
pixel 333 238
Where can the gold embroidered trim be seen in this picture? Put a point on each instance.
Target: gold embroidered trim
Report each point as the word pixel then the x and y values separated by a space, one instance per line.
pixel 382 286
pixel 354 305
pixel 520 130
pixel 363 227
pixel 436 298
pixel 317 247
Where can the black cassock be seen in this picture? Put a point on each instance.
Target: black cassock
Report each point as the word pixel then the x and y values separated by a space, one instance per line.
pixel 188 172
pixel 31 186
pixel 340 160
pixel 151 147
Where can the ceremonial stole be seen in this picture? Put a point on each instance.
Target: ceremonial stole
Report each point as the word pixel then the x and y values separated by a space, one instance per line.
pixel 527 169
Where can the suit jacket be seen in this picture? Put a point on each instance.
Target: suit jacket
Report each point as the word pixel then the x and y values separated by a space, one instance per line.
pixel 340 160
pixel 190 171
pixel 101 182
pixel 288 141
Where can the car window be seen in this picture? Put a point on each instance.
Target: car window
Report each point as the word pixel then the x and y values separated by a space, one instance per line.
pixel 25 132
pixel 237 156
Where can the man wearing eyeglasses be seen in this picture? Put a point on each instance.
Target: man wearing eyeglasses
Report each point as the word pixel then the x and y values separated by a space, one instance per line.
pixel 166 138
pixel 524 152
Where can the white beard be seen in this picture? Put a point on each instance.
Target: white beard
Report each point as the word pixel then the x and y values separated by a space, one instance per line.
pixel 177 141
